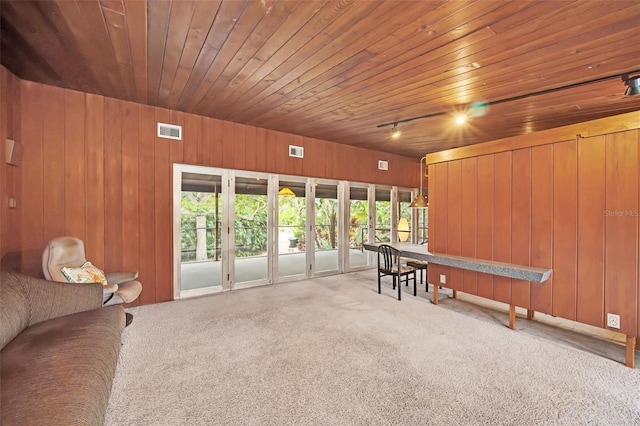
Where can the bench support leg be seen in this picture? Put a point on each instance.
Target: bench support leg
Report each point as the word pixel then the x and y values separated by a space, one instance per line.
pixel 631 351
pixel 454 294
pixel 530 314
pixel 512 317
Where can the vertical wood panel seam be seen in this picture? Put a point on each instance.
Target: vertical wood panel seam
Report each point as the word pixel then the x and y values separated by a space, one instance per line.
pixel 553 227
pixel 575 236
pixel 64 155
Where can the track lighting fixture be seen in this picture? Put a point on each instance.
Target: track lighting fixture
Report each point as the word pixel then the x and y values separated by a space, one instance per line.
pixel 633 85
pixel 395 133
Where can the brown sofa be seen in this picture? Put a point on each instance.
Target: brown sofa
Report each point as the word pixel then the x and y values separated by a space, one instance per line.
pixel 58 351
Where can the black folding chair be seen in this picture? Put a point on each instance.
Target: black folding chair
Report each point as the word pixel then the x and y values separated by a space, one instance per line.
pixel 386 266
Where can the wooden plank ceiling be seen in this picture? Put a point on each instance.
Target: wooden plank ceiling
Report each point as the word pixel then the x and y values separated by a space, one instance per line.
pixel 335 70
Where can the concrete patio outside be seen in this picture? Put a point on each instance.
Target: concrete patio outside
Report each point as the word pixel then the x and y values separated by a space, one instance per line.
pixel 199 275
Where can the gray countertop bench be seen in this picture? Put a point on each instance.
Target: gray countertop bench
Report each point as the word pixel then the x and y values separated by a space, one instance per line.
pixel 511 270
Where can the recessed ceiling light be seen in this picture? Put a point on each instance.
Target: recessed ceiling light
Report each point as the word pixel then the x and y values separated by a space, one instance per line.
pixel 461 118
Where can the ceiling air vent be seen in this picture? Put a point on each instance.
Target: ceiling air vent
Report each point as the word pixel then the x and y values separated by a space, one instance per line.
pixel 169 131
pixel 296 151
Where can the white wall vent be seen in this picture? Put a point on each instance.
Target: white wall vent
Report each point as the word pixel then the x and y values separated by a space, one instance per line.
pixel 169 131
pixel 383 165
pixel 296 151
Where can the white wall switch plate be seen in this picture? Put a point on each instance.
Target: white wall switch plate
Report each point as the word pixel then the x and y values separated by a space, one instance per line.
pixel 443 279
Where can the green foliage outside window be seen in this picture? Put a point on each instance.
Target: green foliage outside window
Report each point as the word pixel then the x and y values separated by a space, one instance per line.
pixel 196 204
pixel 326 224
pixel 251 222
pixel 358 219
pixel 292 216
pixel 383 221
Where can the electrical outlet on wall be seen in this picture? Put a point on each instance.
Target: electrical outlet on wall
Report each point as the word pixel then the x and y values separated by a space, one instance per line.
pixel 443 279
pixel 613 321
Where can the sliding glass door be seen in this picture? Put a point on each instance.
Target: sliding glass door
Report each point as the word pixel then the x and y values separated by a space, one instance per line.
pixel 291 236
pixel 198 201
pixel 236 229
pixel 326 227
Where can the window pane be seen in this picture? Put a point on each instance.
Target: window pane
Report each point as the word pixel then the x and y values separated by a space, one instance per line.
pixel 250 222
pixel 404 211
pixel 383 215
pixel 326 228
pixel 358 226
pixel 292 214
pixel 200 237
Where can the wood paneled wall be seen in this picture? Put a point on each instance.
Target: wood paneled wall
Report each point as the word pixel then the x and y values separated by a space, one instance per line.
pixel 93 168
pixel 10 182
pixel 571 206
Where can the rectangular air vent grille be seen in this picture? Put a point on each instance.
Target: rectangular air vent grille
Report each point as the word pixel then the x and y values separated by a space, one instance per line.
pixel 383 165
pixel 296 151
pixel 169 131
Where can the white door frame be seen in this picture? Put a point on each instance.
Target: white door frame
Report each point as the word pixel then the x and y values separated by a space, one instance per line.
pixel 228 233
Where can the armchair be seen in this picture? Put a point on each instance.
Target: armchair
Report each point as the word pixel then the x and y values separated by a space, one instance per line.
pixel 61 252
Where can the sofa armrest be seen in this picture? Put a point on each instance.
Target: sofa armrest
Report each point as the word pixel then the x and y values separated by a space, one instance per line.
pixel 50 299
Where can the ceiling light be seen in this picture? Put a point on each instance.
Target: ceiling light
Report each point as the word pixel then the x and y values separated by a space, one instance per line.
pixel 633 85
pixel 403 229
pixel 460 119
pixel 286 192
pixel 395 133
pixel 419 201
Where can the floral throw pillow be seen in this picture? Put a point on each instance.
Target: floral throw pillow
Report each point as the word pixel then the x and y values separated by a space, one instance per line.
pixel 86 273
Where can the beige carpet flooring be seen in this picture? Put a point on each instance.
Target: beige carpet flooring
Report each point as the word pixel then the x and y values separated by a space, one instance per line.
pixel 331 351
